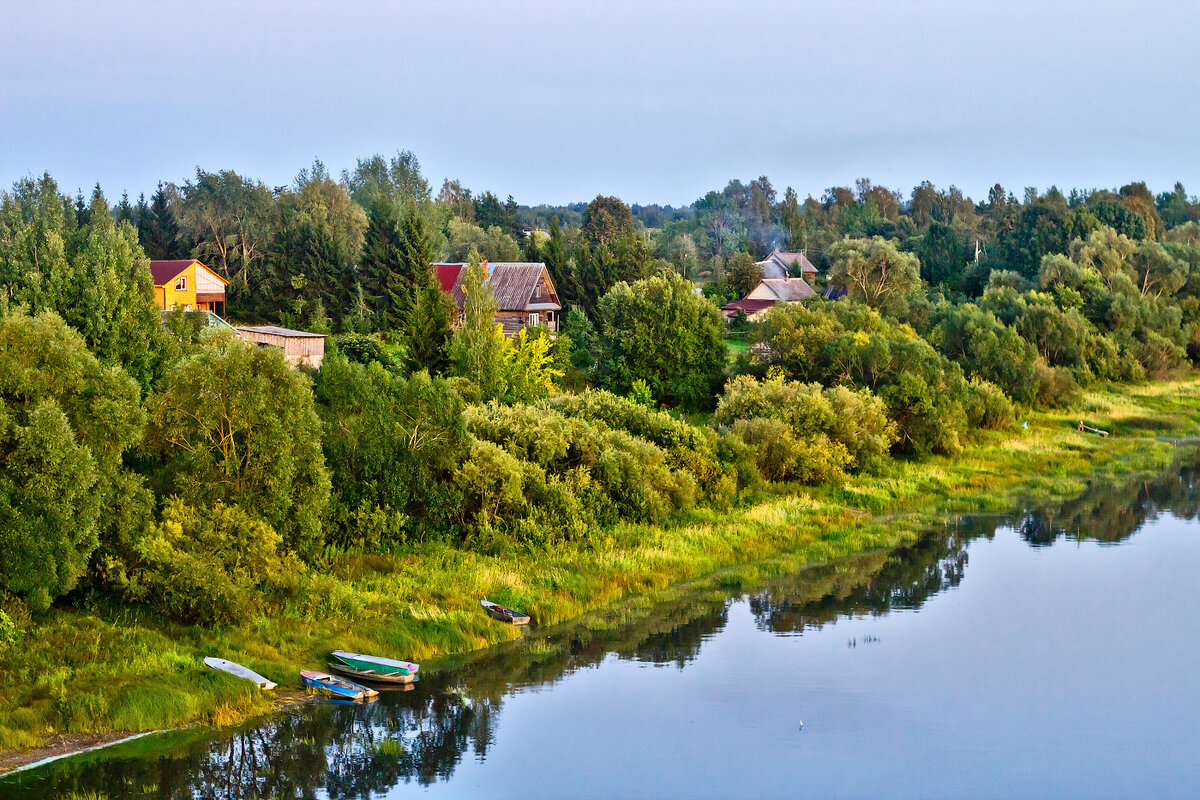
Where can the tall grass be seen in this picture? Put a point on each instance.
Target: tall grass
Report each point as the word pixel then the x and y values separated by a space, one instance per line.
pixel 113 668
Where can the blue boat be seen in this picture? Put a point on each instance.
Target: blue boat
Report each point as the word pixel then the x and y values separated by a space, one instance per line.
pixel 333 686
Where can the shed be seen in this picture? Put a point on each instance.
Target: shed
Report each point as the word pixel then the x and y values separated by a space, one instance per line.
pixel 300 348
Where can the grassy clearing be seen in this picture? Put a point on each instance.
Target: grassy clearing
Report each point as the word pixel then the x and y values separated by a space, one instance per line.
pixel 120 669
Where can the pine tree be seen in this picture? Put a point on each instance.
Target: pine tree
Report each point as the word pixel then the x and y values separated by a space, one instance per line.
pixel 158 229
pixel 124 209
pixel 553 254
pixel 429 331
pixel 380 261
pixel 532 251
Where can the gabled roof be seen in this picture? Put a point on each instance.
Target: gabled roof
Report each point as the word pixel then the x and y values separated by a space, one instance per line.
pixel 779 264
pixel 448 275
pixel 164 270
pixel 789 290
pixel 513 283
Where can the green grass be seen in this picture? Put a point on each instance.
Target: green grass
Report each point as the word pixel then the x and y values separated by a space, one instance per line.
pixel 111 668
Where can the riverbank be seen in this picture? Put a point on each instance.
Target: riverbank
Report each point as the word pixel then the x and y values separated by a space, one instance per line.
pixel 106 669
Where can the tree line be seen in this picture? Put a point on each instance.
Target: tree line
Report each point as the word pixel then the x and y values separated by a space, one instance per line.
pixel 177 467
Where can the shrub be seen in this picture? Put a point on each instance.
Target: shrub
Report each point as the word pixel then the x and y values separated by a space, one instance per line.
pixel 853 419
pixel 782 456
pixel 205 566
pixel 988 407
pixel 846 343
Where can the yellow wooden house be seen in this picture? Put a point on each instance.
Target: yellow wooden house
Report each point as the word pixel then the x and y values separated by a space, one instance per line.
pixel 187 284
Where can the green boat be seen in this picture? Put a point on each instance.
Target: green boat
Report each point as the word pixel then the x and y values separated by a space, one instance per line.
pixel 382 667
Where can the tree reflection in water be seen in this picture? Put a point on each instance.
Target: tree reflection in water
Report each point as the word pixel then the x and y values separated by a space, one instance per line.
pixel 355 751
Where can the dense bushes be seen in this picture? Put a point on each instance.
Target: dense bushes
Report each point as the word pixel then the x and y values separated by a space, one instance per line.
pixel 660 331
pixel 209 565
pixel 392 445
pixel 847 343
pixel 585 474
pixel 804 433
pixel 716 464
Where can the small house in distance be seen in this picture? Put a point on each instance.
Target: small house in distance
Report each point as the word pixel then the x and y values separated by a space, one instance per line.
pixel 767 293
pixel 186 283
pixel 523 290
pixel 780 265
pixel 300 348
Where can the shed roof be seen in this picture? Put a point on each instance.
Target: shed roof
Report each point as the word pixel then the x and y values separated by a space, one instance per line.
pixel 272 330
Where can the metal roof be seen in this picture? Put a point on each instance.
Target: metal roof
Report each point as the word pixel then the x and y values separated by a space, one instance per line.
pixel 272 330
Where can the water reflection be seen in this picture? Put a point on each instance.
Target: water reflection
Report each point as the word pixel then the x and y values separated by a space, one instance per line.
pixel 423 736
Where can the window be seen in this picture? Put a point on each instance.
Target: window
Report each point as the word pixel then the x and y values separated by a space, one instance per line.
pixel 534 320
pixel 187 307
pixel 181 283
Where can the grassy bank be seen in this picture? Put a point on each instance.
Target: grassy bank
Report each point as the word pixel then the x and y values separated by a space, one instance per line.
pixel 107 669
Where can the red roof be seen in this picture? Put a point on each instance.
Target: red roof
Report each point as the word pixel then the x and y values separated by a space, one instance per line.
pixel 163 271
pixel 749 306
pixel 447 275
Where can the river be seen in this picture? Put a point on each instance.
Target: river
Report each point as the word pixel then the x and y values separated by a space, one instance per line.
pixel 1052 653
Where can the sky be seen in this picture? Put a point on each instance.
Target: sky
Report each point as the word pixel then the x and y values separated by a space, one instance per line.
pixel 654 102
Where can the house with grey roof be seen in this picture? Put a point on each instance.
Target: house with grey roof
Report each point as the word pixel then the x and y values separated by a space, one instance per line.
pixel 523 291
pixel 780 265
pixel 768 293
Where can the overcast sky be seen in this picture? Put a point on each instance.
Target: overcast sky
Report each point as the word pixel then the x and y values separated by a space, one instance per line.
pixel 652 101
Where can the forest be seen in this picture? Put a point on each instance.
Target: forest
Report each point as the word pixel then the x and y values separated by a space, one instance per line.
pixel 186 472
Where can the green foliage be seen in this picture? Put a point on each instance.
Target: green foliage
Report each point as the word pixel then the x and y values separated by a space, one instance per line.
pixel 847 343
pixel 477 348
pixel 10 634
pixel 660 331
pixel 234 424
pixel 985 347
pixel 851 425
pixel 782 456
pixel 987 406
pixel 209 565
pixel 66 422
pixel 391 445
pixel 874 272
pixel 430 331
pixel 605 220
pixel 718 466
pixel 364 349
pixel 743 274
pixel 95 276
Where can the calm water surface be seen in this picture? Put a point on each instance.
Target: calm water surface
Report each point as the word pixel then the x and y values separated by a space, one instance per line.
pixel 1052 654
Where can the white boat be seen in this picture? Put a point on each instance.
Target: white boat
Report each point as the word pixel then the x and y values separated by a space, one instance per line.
pixel 233 668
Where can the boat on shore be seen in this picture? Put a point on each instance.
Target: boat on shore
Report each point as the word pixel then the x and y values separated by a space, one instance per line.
pixel 380 667
pixel 504 614
pixel 333 686
pixel 234 668
pixel 371 674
